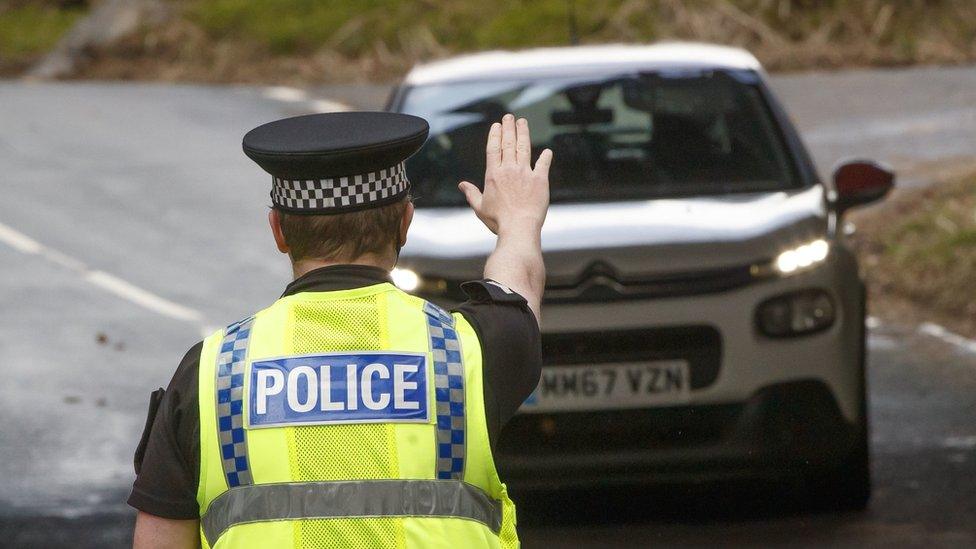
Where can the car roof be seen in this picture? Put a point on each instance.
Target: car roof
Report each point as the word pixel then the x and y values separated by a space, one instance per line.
pixel 580 60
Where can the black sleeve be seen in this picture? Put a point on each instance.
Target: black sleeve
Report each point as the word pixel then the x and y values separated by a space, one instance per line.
pixel 168 469
pixel 510 345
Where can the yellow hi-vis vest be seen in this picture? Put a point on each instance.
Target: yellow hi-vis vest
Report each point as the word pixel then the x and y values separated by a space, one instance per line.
pixel 350 418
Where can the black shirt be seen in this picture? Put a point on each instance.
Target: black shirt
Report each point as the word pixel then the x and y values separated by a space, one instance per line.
pixel 168 459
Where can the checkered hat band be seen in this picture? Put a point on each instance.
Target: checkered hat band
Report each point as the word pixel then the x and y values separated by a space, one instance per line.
pixel 345 192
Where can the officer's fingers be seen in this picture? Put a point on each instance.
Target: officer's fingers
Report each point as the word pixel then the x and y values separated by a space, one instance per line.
pixel 508 138
pixel 543 162
pixel 523 142
pixel 494 147
pixel 471 194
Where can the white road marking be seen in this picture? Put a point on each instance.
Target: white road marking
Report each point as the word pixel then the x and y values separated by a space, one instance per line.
pixel 960 443
pixel 108 282
pixel 326 105
pixel 295 95
pixel 883 342
pixel 142 297
pixel 285 93
pixel 19 241
pixel 936 331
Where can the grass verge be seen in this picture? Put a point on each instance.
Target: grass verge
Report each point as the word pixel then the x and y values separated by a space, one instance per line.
pixel 784 31
pixel 920 249
pixel 29 30
pixel 308 41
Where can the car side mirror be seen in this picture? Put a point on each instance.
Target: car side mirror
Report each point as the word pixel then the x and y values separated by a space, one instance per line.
pixel 860 182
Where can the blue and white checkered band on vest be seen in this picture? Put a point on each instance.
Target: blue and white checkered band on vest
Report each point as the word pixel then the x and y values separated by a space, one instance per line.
pixel 339 192
pixel 230 403
pixel 445 345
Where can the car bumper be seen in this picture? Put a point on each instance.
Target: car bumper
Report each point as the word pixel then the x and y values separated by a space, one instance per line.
pixel 782 430
pixel 719 331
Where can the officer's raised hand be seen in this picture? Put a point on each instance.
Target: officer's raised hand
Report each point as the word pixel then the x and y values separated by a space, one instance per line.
pixel 515 195
pixel 513 205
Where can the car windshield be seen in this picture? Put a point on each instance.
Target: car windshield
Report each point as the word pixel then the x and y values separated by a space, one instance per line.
pixel 618 137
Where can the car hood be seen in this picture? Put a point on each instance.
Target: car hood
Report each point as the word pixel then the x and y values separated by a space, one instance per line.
pixel 634 238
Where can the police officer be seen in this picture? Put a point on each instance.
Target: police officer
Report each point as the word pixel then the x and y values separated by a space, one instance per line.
pixel 349 413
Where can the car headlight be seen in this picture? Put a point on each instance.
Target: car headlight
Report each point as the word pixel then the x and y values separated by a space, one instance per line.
pixel 405 279
pixel 802 257
pixel 797 313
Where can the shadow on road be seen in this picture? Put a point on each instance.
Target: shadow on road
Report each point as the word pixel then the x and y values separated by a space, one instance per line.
pixel 102 530
pixel 727 513
pixel 677 503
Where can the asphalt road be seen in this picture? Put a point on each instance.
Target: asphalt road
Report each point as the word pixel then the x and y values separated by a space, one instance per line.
pixel 131 222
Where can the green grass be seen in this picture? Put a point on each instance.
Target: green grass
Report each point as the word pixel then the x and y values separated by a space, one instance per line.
pixel 31 30
pixel 354 27
pixel 310 40
pixel 359 27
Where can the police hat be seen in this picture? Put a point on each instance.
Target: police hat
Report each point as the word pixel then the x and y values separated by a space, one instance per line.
pixel 336 162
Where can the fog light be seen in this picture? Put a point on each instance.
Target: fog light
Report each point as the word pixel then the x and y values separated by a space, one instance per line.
pixel 794 314
pixel 405 279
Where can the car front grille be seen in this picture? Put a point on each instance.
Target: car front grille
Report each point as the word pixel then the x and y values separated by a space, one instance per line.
pixel 601 284
pixel 548 433
pixel 611 430
pixel 700 345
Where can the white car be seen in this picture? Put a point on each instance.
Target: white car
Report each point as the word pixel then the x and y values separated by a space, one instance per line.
pixel 703 317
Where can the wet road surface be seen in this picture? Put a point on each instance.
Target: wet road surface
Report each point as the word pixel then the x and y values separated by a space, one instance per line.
pixel 129 212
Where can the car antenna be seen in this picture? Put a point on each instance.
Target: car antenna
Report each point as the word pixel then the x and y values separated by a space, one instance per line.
pixel 571 19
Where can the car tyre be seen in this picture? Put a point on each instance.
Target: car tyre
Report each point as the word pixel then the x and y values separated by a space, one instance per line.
pixel 847 485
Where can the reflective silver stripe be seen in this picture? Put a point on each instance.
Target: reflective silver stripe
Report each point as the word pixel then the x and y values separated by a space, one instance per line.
pixel 349 498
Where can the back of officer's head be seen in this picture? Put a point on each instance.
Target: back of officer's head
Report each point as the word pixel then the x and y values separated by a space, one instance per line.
pixel 345 237
pixel 339 187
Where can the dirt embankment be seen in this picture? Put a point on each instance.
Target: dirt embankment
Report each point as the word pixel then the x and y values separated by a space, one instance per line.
pixel 918 252
pixel 308 41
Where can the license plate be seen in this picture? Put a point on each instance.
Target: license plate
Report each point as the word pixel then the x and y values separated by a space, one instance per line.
pixel 610 386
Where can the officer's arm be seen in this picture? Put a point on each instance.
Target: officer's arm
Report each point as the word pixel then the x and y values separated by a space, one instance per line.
pixel 513 205
pixel 154 532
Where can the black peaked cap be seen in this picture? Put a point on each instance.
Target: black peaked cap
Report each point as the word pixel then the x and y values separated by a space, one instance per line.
pixel 337 162
pixel 319 146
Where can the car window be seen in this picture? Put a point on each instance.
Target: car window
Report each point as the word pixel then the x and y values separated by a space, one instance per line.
pixel 617 137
